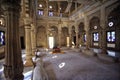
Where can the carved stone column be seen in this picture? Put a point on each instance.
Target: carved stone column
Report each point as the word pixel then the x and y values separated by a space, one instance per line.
pixel 59 8
pixel 33 38
pixel 70 37
pixel 103 33
pixel 76 33
pixel 47 34
pixel 88 39
pixel 28 48
pixel 47 9
pixel 87 33
pixel 77 44
pixel 13 66
pixel 59 35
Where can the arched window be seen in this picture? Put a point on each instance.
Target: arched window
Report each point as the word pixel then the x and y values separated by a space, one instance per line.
pixel 95 31
pixel 50 13
pixel 40 12
pixel 113 29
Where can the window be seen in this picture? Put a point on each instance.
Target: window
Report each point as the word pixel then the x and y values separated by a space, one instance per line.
pixel 50 7
pixel 0 22
pixel 95 37
pixel 2 38
pixel 110 24
pixel 95 27
pixel 111 36
pixel 50 13
pixel 40 12
pixel 84 37
pixel 60 14
pixel 40 5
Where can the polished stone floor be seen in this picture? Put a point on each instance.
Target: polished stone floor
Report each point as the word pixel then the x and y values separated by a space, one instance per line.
pixel 74 65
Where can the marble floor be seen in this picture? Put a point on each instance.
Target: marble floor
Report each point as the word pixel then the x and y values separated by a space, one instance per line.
pixel 74 65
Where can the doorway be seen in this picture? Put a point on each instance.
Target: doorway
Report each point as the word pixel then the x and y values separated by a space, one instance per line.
pixel 22 42
pixel 51 42
pixel 74 39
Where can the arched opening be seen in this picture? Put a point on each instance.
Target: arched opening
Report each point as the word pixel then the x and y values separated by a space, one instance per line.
pixel 64 35
pixel 95 32
pixel 113 29
pixel 53 36
pixel 73 36
pixel 81 35
pixel 41 37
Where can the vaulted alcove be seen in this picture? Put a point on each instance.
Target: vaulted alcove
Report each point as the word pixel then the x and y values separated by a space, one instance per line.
pixel 95 31
pixel 113 29
pixel 41 40
pixel 64 35
pixel 81 34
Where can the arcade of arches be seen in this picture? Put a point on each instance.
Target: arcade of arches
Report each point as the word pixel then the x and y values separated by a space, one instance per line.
pixel 32 24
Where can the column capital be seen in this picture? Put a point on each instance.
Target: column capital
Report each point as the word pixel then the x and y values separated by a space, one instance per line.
pixel 9 5
pixel 27 27
pixel 27 21
pixel 76 31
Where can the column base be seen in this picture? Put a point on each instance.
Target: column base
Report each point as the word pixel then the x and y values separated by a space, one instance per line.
pixel 33 54
pixel 104 51
pixel 28 63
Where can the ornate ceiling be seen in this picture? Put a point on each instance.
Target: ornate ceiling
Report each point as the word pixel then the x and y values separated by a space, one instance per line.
pixel 66 6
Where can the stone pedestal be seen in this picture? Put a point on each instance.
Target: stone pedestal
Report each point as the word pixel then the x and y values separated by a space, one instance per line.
pixel 13 66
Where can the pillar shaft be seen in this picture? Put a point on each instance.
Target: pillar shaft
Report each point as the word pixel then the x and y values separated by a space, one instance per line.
pixel 47 35
pixel 88 39
pixel 28 46
pixel 103 33
pixel 59 34
pixel 33 38
pixel 70 38
pixel 13 66
pixel 77 44
pixel 87 33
